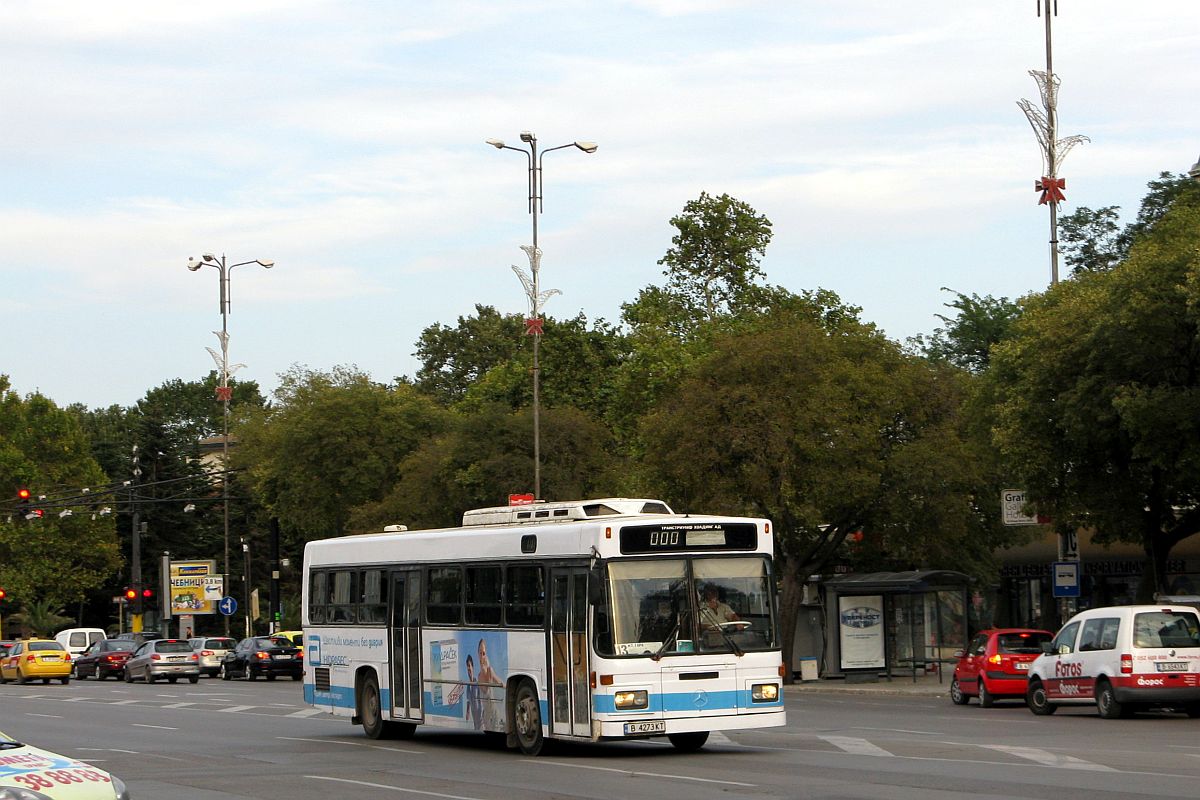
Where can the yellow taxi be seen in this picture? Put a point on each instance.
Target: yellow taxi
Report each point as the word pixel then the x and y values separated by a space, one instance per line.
pixel 30 659
pixel 295 637
pixel 30 773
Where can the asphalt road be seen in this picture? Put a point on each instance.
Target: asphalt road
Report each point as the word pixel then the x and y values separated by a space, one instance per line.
pixel 238 739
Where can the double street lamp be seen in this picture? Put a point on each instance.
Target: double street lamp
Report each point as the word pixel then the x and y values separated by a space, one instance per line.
pixel 533 325
pixel 224 392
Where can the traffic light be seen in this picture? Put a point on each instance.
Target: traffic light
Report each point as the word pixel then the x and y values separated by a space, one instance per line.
pixel 147 600
pixel 3 594
pixel 130 594
pixel 24 509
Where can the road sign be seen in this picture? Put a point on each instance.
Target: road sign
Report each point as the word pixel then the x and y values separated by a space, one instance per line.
pixel 227 605
pixel 1012 504
pixel 1066 579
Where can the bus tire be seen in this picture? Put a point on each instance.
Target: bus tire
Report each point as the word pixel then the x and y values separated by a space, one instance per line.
pixel 370 710
pixel 527 720
pixel 688 742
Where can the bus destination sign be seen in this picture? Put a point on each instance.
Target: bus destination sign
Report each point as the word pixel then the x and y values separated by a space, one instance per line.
pixel 677 537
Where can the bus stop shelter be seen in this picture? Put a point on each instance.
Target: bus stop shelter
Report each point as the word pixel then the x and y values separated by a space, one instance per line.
pixel 894 623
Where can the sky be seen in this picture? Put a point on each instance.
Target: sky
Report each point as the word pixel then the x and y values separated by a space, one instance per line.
pixel 345 141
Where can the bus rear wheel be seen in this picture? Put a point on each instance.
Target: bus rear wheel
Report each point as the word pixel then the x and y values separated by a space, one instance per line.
pixel 688 742
pixel 527 720
pixel 369 709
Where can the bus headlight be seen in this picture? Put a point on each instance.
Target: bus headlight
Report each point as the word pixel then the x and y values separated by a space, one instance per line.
pixel 635 699
pixel 764 692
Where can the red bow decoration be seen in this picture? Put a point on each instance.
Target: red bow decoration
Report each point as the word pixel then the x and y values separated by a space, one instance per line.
pixel 1051 189
pixel 224 393
pixel 533 327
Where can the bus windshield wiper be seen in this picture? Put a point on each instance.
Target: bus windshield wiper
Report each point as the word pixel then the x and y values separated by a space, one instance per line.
pixel 737 651
pixel 670 638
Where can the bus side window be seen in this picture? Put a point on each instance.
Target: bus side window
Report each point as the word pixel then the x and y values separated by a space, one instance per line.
pixel 525 600
pixel 342 607
pixel 444 600
pixel 483 596
pixel 318 597
pixel 373 604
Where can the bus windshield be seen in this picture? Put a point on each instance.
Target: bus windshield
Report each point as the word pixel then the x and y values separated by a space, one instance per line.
pixel 686 605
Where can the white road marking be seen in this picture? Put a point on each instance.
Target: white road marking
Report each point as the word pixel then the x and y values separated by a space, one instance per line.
pixel 123 702
pixel 899 730
pixel 716 737
pixel 47 716
pixel 179 705
pixel 391 788
pixel 352 744
pixel 859 747
pixel 308 712
pixel 1046 758
pixel 235 709
pixel 637 774
pixel 157 727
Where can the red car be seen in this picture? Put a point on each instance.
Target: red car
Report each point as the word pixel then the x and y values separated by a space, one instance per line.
pixel 102 659
pixel 996 665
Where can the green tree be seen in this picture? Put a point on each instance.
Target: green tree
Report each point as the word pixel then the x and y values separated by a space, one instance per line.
pixel 57 558
pixel 1098 394
pixel 333 441
pixel 966 339
pixel 484 456
pixel 1092 241
pixel 826 429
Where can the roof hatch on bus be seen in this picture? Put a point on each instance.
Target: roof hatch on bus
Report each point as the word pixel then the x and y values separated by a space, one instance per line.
pixel 564 511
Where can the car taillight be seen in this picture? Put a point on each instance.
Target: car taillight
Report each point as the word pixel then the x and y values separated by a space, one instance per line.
pixel 995 659
pixel 194 657
pixel 156 657
pixel 30 657
pixel 299 654
pixel 207 653
pixel 1126 664
pixel 66 656
pixel 109 659
pixel 261 655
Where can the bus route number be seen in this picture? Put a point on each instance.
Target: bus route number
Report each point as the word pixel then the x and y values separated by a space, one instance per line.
pixel 664 538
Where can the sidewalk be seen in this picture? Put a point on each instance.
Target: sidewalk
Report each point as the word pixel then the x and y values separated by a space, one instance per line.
pixel 927 684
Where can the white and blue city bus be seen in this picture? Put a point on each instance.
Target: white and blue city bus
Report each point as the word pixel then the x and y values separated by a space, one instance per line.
pixel 592 620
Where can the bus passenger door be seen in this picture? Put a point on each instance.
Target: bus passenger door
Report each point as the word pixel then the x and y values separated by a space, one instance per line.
pixel 570 698
pixel 405 648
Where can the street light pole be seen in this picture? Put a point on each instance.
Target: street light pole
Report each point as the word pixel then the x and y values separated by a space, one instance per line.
pixel 224 392
pixel 532 282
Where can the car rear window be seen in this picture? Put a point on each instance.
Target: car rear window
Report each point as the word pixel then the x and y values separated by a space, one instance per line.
pixel 173 647
pixel 45 646
pixel 1021 643
pixel 219 644
pixel 1166 629
pixel 111 646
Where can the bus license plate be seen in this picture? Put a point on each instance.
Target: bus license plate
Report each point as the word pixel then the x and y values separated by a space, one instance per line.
pixel 1171 666
pixel 660 726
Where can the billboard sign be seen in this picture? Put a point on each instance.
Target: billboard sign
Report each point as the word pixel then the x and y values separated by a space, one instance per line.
pixel 195 587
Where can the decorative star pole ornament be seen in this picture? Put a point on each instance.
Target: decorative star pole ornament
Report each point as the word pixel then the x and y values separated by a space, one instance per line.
pixel 537 298
pixel 226 369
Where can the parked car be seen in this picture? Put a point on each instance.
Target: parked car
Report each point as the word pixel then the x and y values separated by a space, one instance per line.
pixel 163 658
pixel 23 766
pixel 268 656
pixel 212 650
pixel 5 646
pixel 995 665
pixel 105 658
pixel 1122 658
pixel 36 658
pixel 76 640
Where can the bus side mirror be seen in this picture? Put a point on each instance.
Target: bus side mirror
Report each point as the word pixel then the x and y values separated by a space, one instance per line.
pixel 596 584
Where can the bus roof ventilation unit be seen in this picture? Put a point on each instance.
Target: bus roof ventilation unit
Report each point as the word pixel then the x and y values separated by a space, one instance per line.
pixel 542 512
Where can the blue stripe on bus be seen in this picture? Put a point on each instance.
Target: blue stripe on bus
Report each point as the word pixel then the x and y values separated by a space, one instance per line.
pixel 684 701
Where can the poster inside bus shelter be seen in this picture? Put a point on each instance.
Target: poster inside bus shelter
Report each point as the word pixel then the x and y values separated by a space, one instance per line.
pixel 860 631
pixel 195 587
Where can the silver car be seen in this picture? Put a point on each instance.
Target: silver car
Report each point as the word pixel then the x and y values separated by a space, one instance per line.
pixel 211 650
pixel 163 658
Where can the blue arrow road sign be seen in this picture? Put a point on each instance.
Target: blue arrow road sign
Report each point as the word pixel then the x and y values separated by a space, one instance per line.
pixel 227 605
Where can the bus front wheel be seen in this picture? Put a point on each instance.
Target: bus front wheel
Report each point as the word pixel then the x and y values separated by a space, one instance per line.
pixel 527 719
pixel 688 742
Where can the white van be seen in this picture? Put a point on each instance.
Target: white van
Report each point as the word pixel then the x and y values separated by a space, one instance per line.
pixel 1121 658
pixel 76 640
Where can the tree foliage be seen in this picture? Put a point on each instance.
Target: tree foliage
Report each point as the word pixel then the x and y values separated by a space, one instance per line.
pixel 333 442
pixel 53 559
pixel 1093 241
pixel 966 339
pixel 1099 393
